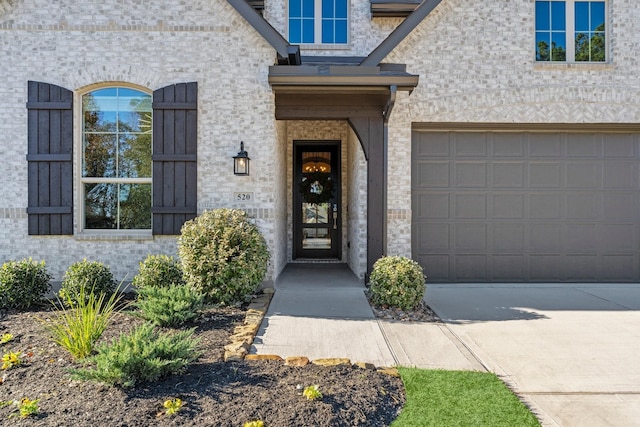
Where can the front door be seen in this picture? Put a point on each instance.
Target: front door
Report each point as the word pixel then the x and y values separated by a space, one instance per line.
pixel 316 200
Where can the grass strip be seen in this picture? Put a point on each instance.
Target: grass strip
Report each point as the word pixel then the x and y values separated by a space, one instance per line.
pixel 459 398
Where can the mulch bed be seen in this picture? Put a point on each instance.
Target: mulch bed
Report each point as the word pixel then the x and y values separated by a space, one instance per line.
pixel 214 393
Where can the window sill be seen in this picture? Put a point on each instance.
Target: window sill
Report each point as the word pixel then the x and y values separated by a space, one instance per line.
pixel 574 66
pixel 325 46
pixel 113 236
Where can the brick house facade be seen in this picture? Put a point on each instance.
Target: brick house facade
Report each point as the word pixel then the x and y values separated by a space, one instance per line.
pixel 476 81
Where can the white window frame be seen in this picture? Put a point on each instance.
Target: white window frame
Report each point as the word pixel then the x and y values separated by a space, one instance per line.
pixel 570 28
pixel 80 180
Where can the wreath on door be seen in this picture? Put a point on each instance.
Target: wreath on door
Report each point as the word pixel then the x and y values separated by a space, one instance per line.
pixel 316 187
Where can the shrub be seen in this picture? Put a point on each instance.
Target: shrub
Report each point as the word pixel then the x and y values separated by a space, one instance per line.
pixel 93 276
pixel 159 270
pixel 397 281
pixel 223 255
pixel 23 283
pixel 144 355
pixel 78 327
pixel 169 305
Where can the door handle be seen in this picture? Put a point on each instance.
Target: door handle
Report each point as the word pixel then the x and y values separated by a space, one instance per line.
pixel 335 216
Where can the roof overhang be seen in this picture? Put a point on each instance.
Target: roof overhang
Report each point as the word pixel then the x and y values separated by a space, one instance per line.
pixel 393 8
pixel 340 78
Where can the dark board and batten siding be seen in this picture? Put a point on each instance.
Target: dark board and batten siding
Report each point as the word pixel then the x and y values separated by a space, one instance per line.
pixel 50 159
pixel 175 125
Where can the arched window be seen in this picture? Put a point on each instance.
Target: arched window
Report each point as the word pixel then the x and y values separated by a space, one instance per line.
pixel 116 159
pixel 129 178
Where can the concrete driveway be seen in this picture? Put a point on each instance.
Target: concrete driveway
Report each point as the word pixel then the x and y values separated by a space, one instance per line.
pixel 571 350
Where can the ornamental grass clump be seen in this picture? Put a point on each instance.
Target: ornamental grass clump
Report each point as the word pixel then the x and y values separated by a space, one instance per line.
pixel 397 282
pixel 23 283
pixel 223 255
pixel 86 275
pixel 86 316
pixel 143 355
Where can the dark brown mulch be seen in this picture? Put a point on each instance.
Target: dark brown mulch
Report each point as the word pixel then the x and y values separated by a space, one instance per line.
pixel 214 393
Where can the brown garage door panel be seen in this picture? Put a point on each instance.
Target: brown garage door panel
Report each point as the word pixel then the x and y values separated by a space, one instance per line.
pixel 526 206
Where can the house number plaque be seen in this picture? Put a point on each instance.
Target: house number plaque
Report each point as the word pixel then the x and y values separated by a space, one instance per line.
pixel 243 197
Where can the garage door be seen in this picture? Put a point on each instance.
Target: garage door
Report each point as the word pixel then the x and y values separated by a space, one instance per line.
pixel 512 206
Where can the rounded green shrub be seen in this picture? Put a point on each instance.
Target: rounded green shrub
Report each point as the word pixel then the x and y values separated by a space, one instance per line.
pixel 163 296
pixel 86 277
pixel 223 255
pixel 143 355
pixel 158 271
pixel 170 305
pixel 397 282
pixel 23 283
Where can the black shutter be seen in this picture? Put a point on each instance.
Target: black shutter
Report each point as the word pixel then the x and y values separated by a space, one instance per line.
pixel 175 125
pixel 50 157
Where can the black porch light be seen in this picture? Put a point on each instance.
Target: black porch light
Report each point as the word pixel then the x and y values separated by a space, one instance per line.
pixel 241 161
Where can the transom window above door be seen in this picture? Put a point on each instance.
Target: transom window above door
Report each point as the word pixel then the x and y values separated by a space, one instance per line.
pixel 571 31
pixel 318 21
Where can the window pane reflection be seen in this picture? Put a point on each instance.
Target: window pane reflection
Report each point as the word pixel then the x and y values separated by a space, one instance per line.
pixel 315 213
pixel 116 149
pixel 316 238
pixel 117 206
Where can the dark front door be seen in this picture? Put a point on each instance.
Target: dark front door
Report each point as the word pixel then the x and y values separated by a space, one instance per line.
pixel 316 200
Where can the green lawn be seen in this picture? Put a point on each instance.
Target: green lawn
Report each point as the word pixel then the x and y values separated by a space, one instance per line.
pixel 459 398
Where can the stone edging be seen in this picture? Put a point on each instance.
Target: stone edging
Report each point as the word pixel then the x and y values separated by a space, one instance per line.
pixel 243 335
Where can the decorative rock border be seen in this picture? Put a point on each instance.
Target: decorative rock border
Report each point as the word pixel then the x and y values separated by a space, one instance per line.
pixel 243 336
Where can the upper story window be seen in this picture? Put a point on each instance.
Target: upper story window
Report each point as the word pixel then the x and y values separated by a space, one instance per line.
pixel 116 159
pixel 571 31
pixel 318 21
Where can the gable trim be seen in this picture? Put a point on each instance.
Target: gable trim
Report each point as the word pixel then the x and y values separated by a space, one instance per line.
pixel 289 54
pixel 399 34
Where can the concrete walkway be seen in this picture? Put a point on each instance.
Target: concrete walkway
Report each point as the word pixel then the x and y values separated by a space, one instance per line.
pixel 571 351
pixel 320 311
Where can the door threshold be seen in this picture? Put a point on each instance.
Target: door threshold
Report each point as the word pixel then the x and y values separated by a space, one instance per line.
pixel 316 261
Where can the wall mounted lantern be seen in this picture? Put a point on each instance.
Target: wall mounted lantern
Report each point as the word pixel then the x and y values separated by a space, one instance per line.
pixel 241 161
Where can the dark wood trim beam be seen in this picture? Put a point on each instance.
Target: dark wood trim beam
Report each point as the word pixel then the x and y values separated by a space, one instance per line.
pixel 402 31
pixel 360 126
pixel 323 106
pixel 270 34
pixel 376 143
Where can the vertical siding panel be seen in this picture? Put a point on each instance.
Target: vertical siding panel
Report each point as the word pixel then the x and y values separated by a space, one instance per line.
pixel 66 168
pixel 55 146
pixel 157 166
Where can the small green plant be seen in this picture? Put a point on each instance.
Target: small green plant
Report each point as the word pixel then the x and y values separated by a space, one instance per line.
pixel 6 338
pixel 397 282
pixel 256 423
pixel 11 360
pixel 223 255
pixel 143 355
pixel 87 275
pixel 23 283
pixel 172 406
pixel 81 324
pixel 172 305
pixel 312 392
pixel 159 271
pixel 28 407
